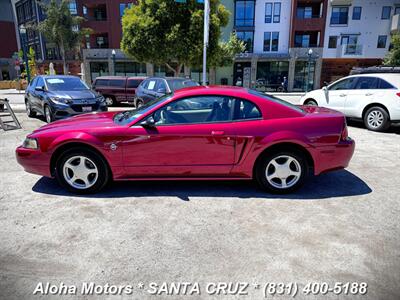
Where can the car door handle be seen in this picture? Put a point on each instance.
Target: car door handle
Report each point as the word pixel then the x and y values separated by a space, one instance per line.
pixel 368 94
pixel 217 132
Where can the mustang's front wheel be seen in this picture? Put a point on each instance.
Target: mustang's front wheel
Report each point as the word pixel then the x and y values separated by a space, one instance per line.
pixel 282 171
pixel 82 171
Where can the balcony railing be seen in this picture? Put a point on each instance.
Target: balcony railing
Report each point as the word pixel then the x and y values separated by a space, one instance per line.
pixel 350 50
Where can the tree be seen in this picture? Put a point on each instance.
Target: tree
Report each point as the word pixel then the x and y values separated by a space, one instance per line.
pixel 31 61
pixel 59 28
pixel 393 57
pixel 171 33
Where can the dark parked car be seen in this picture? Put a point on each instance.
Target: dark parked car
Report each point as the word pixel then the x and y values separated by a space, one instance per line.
pixel 155 87
pixel 61 96
pixel 117 89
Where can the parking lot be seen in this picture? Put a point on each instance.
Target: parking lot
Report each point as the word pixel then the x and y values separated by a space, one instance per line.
pixel 340 227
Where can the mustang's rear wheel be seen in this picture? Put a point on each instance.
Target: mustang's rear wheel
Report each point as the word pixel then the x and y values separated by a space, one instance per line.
pixel 282 171
pixel 82 171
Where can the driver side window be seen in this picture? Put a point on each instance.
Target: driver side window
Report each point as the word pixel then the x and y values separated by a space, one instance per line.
pixel 194 110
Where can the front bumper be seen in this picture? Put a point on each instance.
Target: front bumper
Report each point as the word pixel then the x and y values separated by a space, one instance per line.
pixel 33 161
pixel 64 111
pixel 329 158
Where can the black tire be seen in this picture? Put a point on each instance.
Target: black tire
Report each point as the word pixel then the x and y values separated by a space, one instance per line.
pixel 301 167
pixel 311 102
pixel 29 111
pixel 48 114
pixel 139 103
pixel 103 177
pixel 110 101
pixel 376 119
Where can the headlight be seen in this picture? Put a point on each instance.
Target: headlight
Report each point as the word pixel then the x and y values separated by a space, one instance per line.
pixel 61 100
pixel 30 143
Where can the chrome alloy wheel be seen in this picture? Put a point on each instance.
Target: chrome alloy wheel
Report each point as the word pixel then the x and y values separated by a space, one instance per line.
pixel 80 172
pixel 109 101
pixel 47 114
pixel 375 118
pixel 283 172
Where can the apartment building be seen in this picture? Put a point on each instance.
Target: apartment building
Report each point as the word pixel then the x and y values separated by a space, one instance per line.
pixel 28 13
pixel 8 41
pixel 357 34
pixel 278 36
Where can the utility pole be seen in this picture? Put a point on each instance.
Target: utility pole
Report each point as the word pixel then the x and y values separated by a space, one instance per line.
pixel 206 33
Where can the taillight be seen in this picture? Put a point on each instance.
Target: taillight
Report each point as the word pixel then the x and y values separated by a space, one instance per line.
pixel 398 94
pixel 345 134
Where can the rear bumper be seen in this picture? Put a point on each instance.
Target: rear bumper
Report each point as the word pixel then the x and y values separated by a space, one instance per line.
pixel 33 161
pixel 329 158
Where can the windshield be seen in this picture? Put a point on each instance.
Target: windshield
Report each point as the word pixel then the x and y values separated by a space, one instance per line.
pixel 177 84
pixel 65 84
pixel 275 99
pixel 129 116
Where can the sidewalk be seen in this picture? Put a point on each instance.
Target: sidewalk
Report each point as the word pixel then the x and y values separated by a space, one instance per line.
pixel 17 102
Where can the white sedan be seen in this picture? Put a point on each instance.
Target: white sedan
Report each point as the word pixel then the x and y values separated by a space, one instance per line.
pixel 374 98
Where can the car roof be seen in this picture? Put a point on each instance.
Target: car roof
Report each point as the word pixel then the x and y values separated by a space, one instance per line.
pixel 392 78
pixel 58 76
pixel 213 89
pixel 170 78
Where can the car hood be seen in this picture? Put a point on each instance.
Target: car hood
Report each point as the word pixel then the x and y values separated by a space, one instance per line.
pixel 74 95
pixel 82 122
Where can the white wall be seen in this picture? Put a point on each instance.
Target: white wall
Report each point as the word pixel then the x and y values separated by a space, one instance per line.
pixel 283 26
pixel 370 26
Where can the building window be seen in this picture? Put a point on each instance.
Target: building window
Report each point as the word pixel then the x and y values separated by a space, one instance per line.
pixel 271 41
pixel 268 12
pixel 386 10
pixel 302 40
pixel 357 12
pixel 304 12
pixel 382 41
pixel 244 13
pixel 271 74
pixel 102 42
pixel 397 10
pixel 247 38
pixel 275 41
pixel 339 15
pixel 267 41
pixel 85 11
pixel 277 12
pixel 332 42
pixel 122 7
pixel 72 7
pixel 274 8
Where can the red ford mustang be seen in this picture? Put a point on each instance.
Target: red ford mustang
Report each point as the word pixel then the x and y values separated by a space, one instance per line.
pixel 196 133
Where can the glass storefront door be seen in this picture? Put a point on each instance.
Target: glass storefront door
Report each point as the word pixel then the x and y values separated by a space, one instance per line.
pixel 240 73
pixel 301 76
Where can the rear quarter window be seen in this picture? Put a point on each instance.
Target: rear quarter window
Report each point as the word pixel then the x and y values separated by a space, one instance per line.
pixel 101 82
pixel 383 84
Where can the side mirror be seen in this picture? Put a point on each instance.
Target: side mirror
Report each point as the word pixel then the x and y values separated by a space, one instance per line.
pixel 162 91
pixel 326 83
pixel 40 88
pixel 148 123
pixel 325 89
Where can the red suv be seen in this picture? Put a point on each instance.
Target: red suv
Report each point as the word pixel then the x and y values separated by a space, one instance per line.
pixel 117 88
